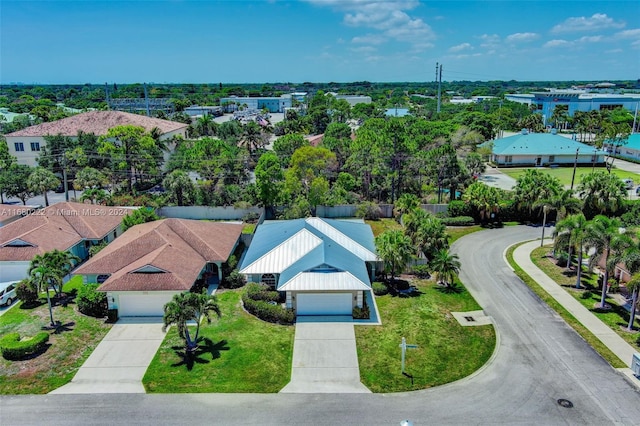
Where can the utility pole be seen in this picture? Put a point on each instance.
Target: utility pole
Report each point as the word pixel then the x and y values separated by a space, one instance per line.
pixel 575 164
pixel 146 100
pixel 106 94
pixel 439 80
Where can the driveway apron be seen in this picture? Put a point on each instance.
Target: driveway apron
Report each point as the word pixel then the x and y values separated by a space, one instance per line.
pixel 324 357
pixel 119 362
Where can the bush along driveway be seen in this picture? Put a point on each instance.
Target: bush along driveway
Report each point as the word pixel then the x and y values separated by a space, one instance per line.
pixel 238 353
pixel 66 350
pixel 446 350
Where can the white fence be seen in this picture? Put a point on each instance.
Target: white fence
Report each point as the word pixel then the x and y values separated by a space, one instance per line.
pixel 209 213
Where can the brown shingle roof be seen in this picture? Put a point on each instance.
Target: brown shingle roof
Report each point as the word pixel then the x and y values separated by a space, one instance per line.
pixel 60 226
pixel 8 211
pixel 178 248
pixel 97 122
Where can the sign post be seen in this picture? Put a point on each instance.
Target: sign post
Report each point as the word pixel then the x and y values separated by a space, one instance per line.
pixel 404 347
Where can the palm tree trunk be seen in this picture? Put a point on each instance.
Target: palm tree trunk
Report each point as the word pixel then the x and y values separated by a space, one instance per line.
pixel 50 308
pixel 605 280
pixel 634 303
pixel 188 341
pixel 569 257
pixel 46 199
pixel 579 273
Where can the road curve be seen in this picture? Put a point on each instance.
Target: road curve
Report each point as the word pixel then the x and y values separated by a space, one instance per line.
pixel 539 360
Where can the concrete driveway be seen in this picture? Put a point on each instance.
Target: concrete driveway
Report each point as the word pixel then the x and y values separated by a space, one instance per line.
pixel 119 362
pixel 324 357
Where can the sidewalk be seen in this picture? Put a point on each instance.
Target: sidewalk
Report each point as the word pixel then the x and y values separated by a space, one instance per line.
pixel 622 349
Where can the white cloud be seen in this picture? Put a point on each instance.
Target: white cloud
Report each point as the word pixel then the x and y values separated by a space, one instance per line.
pixel 557 43
pixel 389 18
pixel 635 33
pixel 460 47
pixel 368 39
pixel 363 49
pixel 522 37
pixel 489 41
pixel 589 39
pixel 597 21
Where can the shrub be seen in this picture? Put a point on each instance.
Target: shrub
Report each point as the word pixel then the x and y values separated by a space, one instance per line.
pixel 234 280
pixel 361 313
pixel 368 210
pixel 268 311
pixel 27 292
pixel 15 349
pixel 586 294
pixel 251 217
pixel 458 208
pixel 379 289
pixel 458 221
pixel 421 271
pixel 91 302
pixel 262 292
pixel 638 341
pixel 562 257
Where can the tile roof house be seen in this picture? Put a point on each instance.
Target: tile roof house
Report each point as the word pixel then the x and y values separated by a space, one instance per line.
pixel 65 226
pixel 150 262
pixel 325 266
pixel 26 144
pixel 542 149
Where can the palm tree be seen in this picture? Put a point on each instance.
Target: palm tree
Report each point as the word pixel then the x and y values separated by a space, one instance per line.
pixel 601 193
pixel 431 237
pixel 43 277
pixel 57 261
pixel 603 235
pixel 180 187
pixel 405 204
pixel 252 137
pixel 395 249
pixel 186 307
pixel 574 227
pixel 445 266
pixel 634 287
pixel 41 181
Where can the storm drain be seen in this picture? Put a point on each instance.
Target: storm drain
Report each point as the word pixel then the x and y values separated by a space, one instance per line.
pixel 565 403
pixel 470 319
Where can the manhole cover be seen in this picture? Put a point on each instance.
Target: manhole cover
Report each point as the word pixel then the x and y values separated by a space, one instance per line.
pixel 565 403
pixel 470 319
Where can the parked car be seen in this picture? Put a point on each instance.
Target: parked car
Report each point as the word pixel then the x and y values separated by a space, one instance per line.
pixel 628 183
pixel 8 292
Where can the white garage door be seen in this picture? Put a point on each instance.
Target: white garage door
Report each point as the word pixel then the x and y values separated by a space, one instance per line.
pixel 143 305
pixel 324 304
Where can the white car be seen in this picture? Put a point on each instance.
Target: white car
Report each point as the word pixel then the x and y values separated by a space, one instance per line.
pixel 8 292
pixel 628 183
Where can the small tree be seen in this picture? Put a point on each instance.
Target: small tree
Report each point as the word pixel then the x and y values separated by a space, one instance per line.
pixel 445 266
pixel 186 307
pixel 141 215
pixel 27 292
pixel 395 249
pixel 41 181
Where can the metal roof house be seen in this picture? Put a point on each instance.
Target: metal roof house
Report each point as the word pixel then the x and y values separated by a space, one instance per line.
pixel 325 266
pixel 542 149
pixel 631 148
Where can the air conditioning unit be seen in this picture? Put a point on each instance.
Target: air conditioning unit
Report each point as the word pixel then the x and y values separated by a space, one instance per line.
pixel 635 364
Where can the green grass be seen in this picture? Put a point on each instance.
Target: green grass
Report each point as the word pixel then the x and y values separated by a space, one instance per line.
pixel 379 226
pixel 248 228
pixel 68 349
pixel 243 354
pixel 617 318
pixel 457 232
pixel 589 337
pixel 564 173
pixel 446 351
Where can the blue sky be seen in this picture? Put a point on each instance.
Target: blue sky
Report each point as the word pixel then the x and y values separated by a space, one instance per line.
pixel 240 41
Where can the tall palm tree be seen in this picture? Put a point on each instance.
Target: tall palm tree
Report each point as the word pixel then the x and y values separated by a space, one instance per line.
pixel 58 262
pixel 186 307
pixel 601 193
pixel 395 249
pixel 574 228
pixel 634 287
pixel 405 204
pixel 431 237
pixel 445 266
pixel 43 277
pixel 41 181
pixel 604 236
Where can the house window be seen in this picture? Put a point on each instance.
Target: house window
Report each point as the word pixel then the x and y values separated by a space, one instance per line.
pixel 19 146
pixel 35 146
pixel 269 279
pixel 552 158
pixel 508 158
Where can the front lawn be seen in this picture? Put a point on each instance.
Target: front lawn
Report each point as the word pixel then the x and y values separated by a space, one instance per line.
pixel 384 224
pixel 617 318
pixel 564 173
pixel 446 351
pixel 239 353
pixel 69 346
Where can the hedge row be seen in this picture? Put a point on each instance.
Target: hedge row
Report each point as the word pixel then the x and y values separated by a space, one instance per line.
pixel 258 300
pixel 379 289
pixel 91 302
pixel 458 221
pixel 13 348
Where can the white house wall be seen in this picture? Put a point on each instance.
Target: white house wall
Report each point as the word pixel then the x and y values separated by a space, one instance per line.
pixel 14 270
pixel 27 156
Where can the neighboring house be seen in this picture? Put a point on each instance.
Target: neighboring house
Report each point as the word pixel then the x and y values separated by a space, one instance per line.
pixel 542 149
pixel 12 212
pixel 325 266
pixel 272 104
pixel 149 263
pixel 66 226
pixel 26 144
pixel 630 148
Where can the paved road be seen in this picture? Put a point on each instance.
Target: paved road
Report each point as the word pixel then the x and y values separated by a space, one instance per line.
pixel 539 360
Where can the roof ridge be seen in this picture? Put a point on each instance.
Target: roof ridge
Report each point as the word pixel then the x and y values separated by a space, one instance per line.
pixel 181 224
pixel 281 244
pixel 311 220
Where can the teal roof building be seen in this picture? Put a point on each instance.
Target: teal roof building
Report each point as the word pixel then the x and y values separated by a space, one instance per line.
pixel 542 149
pixel 630 149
